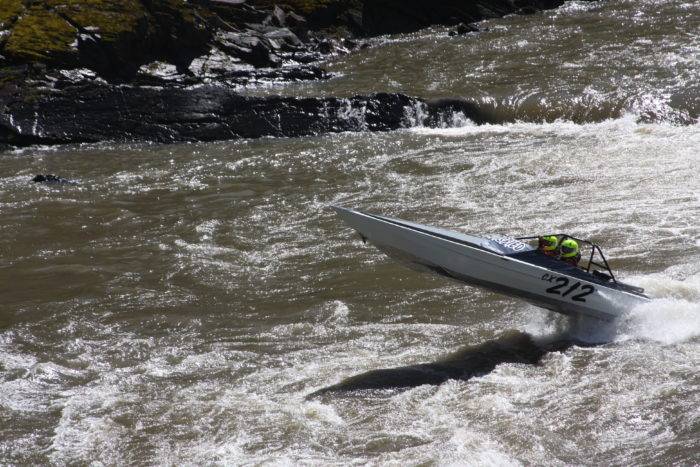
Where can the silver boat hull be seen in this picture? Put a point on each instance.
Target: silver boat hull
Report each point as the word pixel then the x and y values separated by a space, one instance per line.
pixel 487 262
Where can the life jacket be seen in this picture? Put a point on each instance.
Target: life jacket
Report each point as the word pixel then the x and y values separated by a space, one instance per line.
pixel 573 260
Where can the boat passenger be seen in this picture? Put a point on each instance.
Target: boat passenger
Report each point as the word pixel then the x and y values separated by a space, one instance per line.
pixel 548 245
pixel 570 252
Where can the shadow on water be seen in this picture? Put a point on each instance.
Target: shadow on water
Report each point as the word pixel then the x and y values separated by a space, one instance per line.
pixel 466 363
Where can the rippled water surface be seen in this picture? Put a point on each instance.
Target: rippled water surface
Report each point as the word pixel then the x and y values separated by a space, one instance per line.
pixel 586 62
pixel 180 303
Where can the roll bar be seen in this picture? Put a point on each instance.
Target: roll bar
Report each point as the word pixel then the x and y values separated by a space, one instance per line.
pixel 594 248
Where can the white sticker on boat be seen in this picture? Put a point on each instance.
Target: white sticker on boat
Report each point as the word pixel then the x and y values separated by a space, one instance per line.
pixel 508 242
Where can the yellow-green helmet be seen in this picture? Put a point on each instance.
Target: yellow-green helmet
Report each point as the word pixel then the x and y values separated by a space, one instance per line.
pixel 569 248
pixel 549 242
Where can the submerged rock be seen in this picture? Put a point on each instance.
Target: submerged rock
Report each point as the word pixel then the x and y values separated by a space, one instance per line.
pixel 449 112
pixel 52 180
pixel 463 29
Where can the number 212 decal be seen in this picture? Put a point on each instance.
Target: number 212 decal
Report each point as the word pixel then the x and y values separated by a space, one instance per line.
pixel 563 282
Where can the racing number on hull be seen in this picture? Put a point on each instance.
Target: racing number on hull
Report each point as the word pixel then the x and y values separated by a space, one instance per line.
pixel 562 288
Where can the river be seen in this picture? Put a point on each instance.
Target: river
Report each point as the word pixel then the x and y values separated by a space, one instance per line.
pixel 180 303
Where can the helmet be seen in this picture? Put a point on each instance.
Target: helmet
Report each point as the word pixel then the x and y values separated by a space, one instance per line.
pixel 549 242
pixel 569 248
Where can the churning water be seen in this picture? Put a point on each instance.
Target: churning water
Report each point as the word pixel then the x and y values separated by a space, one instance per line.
pixel 183 303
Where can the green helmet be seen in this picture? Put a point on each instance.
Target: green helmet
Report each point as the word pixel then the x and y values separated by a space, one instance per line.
pixel 569 248
pixel 549 242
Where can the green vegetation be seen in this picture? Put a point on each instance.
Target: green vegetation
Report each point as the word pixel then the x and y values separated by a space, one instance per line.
pixel 45 30
pixel 40 35
pixel 302 6
pixel 9 11
pixel 110 17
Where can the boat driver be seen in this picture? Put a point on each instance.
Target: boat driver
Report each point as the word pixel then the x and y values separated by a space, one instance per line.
pixel 570 252
pixel 548 245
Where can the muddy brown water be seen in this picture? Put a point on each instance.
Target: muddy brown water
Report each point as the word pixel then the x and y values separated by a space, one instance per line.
pixel 181 302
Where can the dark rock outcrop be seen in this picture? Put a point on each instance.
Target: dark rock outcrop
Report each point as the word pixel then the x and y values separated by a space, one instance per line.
pixel 100 112
pixel 94 111
pixel 111 38
pixel 115 39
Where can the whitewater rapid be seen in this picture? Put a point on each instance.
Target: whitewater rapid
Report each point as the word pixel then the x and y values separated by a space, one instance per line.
pixel 181 303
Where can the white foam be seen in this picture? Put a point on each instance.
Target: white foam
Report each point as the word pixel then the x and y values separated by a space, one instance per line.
pixel 475 445
pixel 463 127
pixel 665 320
pixel 340 313
pixel 206 229
pixel 87 428
pixel 663 285
pixel 672 316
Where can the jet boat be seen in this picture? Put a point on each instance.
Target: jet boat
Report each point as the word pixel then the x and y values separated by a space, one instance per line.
pixel 503 264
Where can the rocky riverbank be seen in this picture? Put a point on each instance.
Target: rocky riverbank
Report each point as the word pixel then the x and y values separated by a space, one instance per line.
pixel 168 70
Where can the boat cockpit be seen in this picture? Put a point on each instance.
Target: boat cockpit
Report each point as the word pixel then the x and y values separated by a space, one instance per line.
pixel 594 262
